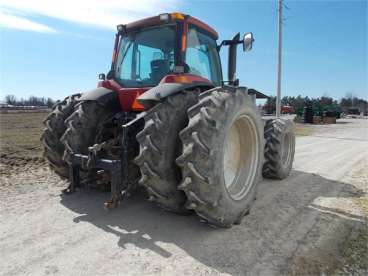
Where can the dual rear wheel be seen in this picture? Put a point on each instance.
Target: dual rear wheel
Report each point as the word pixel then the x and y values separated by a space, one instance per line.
pixel 209 156
pixel 203 154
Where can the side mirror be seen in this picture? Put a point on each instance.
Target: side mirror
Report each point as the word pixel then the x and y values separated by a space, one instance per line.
pixel 248 42
pixel 102 76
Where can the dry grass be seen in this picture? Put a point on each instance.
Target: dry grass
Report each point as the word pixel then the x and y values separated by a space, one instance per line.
pixel 303 130
pixel 354 255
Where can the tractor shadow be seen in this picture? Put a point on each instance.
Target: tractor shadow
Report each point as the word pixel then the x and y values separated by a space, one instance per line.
pixel 284 222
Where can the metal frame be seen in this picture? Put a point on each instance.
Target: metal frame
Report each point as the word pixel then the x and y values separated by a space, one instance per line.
pixel 80 161
pixel 118 168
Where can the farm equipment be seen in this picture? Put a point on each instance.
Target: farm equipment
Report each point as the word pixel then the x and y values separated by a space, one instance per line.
pixel 164 119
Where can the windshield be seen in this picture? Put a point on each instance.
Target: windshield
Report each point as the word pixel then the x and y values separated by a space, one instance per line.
pixel 146 57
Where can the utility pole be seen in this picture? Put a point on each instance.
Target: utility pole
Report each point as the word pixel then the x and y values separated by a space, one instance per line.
pixel 278 97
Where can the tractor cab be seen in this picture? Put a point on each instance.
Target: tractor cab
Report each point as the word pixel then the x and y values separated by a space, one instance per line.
pixel 161 55
pixel 148 50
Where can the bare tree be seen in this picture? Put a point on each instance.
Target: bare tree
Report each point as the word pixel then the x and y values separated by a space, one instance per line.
pixel 10 99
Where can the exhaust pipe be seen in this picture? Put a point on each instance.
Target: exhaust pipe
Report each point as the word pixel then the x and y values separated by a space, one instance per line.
pixel 233 45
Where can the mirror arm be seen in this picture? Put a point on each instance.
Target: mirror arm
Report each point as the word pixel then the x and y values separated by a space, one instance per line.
pixel 228 43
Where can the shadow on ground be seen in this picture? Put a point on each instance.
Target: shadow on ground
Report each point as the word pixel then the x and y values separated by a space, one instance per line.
pixel 281 229
pixel 343 122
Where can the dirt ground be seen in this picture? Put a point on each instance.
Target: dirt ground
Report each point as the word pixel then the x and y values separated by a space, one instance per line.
pixel 313 223
pixel 20 145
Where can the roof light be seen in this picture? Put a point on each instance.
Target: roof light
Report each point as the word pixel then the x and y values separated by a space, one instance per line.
pixel 164 17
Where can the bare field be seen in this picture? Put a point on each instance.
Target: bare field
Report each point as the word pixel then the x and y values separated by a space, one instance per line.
pixel 312 223
pixel 20 133
pixel 20 144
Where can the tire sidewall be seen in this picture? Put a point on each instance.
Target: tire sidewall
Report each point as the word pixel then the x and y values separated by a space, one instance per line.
pixel 227 203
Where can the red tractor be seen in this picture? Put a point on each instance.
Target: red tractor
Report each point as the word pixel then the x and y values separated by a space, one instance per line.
pixel 164 119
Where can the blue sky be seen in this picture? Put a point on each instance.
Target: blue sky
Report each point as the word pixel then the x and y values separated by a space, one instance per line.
pixel 56 48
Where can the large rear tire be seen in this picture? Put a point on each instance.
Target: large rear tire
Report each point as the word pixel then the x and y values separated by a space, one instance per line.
pixel 222 156
pixel 279 148
pixel 83 126
pixel 160 145
pixel 54 129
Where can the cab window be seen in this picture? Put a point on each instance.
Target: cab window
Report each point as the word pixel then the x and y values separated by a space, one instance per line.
pixel 202 58
pixel 146 57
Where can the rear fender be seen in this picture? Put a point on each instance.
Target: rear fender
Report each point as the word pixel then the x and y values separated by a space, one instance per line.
pixel 154 95
pixel 104 96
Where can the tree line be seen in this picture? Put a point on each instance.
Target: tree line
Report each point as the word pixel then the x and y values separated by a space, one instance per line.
pixel 30 101
pixel 298 103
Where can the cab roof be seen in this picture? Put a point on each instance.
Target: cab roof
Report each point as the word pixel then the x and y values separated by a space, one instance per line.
pixel 167 18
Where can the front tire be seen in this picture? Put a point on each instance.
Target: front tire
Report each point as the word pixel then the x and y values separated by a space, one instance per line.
pixel 222 156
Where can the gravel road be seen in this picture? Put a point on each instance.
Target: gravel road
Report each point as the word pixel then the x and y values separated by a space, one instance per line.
pixel 297 226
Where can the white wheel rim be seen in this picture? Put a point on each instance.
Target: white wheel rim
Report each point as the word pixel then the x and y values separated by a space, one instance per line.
pixel 287 145
pixel 240 157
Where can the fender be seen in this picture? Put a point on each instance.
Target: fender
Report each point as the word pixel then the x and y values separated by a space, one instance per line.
pixel 104 96
pixel 163 90
pixel 258 94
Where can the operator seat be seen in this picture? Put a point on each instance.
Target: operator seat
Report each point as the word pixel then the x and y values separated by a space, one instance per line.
pixel 159 69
